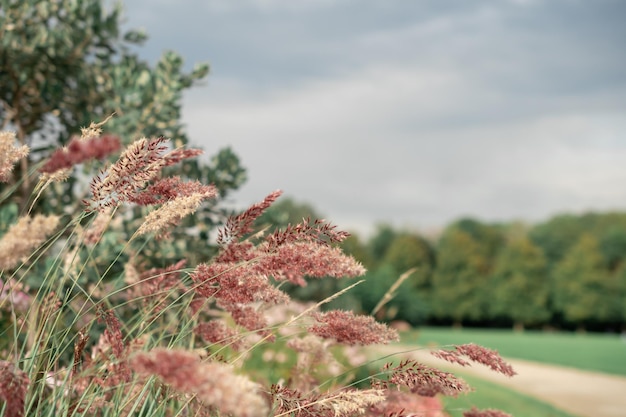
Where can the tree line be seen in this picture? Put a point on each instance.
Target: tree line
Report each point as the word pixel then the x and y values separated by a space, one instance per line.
pixel 567 272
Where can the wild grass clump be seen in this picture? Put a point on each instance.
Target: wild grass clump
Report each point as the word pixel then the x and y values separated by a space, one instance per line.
pixel 91 326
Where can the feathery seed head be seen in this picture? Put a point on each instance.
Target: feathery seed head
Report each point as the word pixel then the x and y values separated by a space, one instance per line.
pixel 170 213
pixel 79 151
pixel 138 164
pixel 214 383
pixel 13 386
pixel 346 328
pixel 23 237
pixel 9 154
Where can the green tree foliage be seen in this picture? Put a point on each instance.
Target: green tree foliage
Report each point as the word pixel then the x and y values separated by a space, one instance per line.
pixel 613 247
pixel 583 290
pixel 65 64
pixel 559 234
pixel 382 239
pixel 465 258
pixel 491 237
pixel 411 301
pixel 559 237
pixel 407 304
pixel 480 273
pixel 355 247
pixel 408 251
pixel 620 277
pixel 556 236
pixel 520 285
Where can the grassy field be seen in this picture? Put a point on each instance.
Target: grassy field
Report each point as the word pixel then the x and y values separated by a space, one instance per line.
pixel 594 352
pixel 490 395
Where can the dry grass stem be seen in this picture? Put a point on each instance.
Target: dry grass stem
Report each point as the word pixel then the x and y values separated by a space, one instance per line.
pixel 392 290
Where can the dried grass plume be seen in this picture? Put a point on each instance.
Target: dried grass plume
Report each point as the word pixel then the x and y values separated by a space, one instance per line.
pixel 213 383
pixel 9 154
pixel 23 237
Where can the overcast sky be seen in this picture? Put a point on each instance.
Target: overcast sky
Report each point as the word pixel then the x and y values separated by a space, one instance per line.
pixel 413 112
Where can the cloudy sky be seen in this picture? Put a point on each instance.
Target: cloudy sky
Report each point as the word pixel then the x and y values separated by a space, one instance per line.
pixel 411 112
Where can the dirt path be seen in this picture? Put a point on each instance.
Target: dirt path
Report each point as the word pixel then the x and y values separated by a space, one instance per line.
pixel 582 393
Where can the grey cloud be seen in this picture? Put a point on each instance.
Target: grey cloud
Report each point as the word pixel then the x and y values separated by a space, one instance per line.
pixel 416 112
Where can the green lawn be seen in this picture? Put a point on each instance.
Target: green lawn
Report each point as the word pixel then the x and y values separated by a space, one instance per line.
pixel 490 395
pixel 594 352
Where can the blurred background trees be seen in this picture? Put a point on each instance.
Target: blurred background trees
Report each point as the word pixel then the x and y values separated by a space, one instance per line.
pixel 518 286
pixel 568 272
